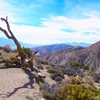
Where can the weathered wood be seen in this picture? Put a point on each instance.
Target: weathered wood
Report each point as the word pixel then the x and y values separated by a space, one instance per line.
pixel 11 36
pixel 21 60
pixel 21 54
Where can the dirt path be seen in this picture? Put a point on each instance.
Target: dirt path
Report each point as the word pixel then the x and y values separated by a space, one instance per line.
pixel 17 84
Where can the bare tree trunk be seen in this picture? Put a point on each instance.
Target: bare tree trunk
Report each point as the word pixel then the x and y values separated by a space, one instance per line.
pixel 23 61
pixel 20 51
pixel 11 36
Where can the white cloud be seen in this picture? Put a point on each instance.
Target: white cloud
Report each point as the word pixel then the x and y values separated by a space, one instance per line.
pixel 62 22
pixel 87 30
pixel 83 30
pixel 7 10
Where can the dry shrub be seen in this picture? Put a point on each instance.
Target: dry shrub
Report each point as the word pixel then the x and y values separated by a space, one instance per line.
pixel 12 55
pixel 88 80
pixel 47 66
pixel 57 71
pixel 76 80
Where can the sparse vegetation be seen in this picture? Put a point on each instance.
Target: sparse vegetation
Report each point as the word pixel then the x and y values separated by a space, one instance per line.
pixel 53 75
pixel 74 64
pixel 57 79
pixel 40 86
pixel 57 71
pixel 6 64
pixel 80 88
pixel 88 80
pixel 42 61
pixel 85 67
pixel 75 80
pixel 47 95
pixel 26 51
pixel 29 97
pixel 77 92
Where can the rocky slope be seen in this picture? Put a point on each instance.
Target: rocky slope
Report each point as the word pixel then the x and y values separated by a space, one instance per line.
pixel 60 57
pixel 22 84
pixel 85 56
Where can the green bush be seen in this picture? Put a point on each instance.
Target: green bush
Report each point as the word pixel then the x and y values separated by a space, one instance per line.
pixel 40 86
pixel 77 92
pixel 26 51
pixel 6 64
pixel 29 97
pixel 59 72
pixel 85 67
pixel 56 77
pixel 74 64
pixel 47 95
pixel 76 80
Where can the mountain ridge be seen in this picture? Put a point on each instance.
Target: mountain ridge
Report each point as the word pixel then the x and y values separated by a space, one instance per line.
pixel 4 41
pixel 89 56
pixel 50 48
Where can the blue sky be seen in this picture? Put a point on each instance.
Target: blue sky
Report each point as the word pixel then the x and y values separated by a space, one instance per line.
pixel 52 21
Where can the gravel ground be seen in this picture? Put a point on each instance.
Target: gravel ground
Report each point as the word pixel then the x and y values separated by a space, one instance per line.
pixel 18 84
pixel 21 84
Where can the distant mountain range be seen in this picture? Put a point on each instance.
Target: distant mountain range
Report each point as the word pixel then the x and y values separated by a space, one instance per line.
pixel 4 41
pixel 56 47
pixel 50 48
pixel 83 44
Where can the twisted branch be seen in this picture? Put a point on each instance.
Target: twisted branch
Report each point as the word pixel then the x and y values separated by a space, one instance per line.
pixel 21 53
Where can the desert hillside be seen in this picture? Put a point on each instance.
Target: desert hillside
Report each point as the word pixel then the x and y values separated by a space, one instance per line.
pixel 18 83
pixel 89 56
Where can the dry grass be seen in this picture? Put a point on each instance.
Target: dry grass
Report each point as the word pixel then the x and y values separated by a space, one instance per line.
pixel 88 80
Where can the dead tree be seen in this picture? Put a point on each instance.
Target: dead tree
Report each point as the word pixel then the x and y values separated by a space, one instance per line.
pixel 21 58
